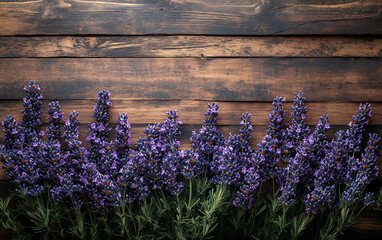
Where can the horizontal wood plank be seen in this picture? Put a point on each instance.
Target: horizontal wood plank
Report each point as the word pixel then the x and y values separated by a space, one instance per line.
pixel 190 17
pixel 368 226
pixel 190 46
pixel 192 112
pixel 219 79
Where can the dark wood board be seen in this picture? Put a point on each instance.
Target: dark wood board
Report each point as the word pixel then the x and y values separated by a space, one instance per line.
pixel 218 79
pixel 190 46
pixel 245 17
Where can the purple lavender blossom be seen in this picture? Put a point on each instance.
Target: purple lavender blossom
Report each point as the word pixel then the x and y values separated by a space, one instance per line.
pixel 340 166
pixel 229 160
pixel 69 187
pixel 24 145
pixel 132 182
pixel 298 130
pixel 356 128
pixel 32 113
pixel 361 171
pixel 209 139
pixel 102 192
pixel 76 155
pixel 123 139
pixel 369 199
pixel 13 138
pixel 157 155
pixel 67 192
pixel 230 163
pixel 191 166
pixel 54 118
pixel 270 149
pixel 99 130
pixel 300 168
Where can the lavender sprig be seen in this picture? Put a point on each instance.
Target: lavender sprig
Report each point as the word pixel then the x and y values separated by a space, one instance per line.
pixel 123 139
pixel 209 139
pixel 302 165
pixel 361 171
pixel 31 113
pixel 54 118
pixel 99 130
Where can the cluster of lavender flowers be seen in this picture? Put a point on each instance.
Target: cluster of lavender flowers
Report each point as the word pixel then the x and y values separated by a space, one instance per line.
pixel 340 168
pixel 110 172
pixel 24 151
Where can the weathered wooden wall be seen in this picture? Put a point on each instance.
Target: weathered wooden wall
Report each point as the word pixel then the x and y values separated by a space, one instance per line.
pixel 158 55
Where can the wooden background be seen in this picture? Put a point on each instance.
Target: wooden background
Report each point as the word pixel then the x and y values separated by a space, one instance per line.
pixel 158 55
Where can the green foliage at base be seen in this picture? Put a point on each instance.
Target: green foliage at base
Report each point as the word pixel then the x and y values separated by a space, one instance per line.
pixel 201 211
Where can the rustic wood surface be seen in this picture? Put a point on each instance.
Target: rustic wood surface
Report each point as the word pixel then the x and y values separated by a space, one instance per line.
pixel 158 55
pixel 190 46
pixel 192 112
pixel 245 17
pixel 219 79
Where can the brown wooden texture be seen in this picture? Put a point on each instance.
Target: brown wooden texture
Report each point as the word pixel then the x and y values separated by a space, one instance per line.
pixel 368 226
pixel 245 17
pixel 192 112
pixel 219 79
pixel 158 55
pixel 189 46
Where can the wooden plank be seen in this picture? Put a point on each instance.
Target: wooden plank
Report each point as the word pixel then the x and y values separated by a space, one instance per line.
pixel 192 112
pixel 190 46
pixel 5 235
pixel 190 17
pixel 368 226
pixel 219 79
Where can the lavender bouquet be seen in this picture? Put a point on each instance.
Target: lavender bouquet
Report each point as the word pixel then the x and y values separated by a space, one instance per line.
pixel 296 183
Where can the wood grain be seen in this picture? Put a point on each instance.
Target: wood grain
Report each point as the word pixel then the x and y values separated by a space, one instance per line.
pixel 190 46
pixel 133 17
pixel 368 226
pixel 219 79
pixel 192 112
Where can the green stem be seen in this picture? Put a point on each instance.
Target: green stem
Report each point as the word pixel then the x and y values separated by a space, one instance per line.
pixel 132 219
pixel 190 194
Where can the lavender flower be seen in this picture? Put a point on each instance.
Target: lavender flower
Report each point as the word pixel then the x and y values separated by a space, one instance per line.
pixel 361 171
pixel 55 118
pixel 356 128
pixel 123 139
pixel 102 192
pixel 301 167
pixel 209 139
pixel 132 182
pixel 298 130
pixel 323 191
pixel 369 199
pixel 24 145
pixel 76 155
pixel 99 130
pixel 157 155
pixel 231 158
pixel 69 186
pixel 31 113
pixel 13 137
pixel 67 192
pixel 190 164
pixel 268 155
